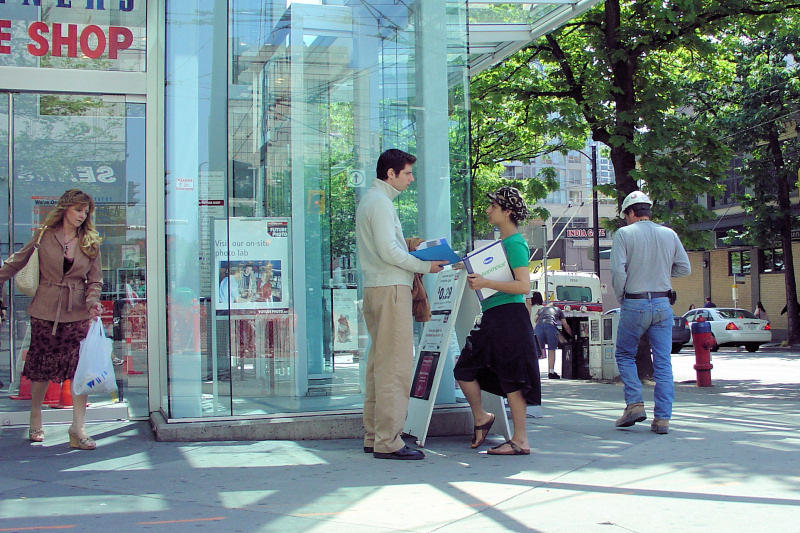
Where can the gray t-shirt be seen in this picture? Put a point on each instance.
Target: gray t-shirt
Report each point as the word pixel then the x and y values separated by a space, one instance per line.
pixel 549 315
pixel 644 255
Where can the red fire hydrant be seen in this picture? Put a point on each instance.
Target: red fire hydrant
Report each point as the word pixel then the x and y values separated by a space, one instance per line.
pixel 703 341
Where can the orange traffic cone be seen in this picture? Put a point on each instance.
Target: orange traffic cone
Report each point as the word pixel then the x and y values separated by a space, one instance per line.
pixel 53 394
pixel 24 392
pixel 128 365
pixel 65 401
pixel 24 389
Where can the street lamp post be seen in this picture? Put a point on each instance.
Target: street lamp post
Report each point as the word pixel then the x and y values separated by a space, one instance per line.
pixel 595 216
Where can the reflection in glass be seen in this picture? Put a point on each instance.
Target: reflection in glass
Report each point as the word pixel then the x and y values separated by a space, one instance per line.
pixel 313 93
pixel 6 357
pixel 95 143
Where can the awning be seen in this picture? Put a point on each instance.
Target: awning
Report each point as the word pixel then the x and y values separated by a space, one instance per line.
pixel 497 29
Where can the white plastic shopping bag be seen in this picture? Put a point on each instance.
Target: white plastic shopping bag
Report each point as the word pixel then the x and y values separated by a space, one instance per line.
pixel 95 372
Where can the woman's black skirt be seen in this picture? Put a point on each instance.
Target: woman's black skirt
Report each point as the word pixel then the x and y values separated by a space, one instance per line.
pixel 499 353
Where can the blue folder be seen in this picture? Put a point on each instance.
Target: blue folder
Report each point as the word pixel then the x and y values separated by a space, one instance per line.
pixel 439 252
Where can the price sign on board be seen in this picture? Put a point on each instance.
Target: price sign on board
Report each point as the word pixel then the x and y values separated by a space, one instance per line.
pixel 445 300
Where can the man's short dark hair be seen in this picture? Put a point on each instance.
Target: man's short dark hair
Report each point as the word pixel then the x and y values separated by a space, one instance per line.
pixel 640 210
pixel 394 159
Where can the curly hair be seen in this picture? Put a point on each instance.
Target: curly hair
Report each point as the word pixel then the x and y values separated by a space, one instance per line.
pixel 88 237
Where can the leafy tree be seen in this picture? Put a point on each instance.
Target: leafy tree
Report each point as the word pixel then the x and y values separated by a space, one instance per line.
pixel 504 128
pixel 489 180
pixel 760 111
pixel 623 70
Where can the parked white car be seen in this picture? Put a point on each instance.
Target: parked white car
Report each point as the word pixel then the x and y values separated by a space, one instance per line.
pixel 733 327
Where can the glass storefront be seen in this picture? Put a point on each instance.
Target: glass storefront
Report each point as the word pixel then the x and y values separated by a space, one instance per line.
pixel 257 124
pixel 267 150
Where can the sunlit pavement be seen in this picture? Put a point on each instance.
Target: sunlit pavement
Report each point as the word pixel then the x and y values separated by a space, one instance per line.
pixel 729 463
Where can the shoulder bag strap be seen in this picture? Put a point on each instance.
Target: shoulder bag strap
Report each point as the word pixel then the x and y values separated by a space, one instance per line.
pixel 41 232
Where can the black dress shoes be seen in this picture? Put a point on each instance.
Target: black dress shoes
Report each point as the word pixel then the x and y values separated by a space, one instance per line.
pixel 368 449
pixel 403 454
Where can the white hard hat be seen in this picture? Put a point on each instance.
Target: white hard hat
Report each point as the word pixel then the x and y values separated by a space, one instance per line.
pixel 636 197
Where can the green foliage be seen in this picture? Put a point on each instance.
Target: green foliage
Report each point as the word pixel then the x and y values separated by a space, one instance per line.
pixel 505 127
pixel 629 73
pixel 490 179
pixel 759 112
pixel 341 195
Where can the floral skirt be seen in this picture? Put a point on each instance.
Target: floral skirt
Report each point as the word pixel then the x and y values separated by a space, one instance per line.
pixel 500 354
pixel 54 357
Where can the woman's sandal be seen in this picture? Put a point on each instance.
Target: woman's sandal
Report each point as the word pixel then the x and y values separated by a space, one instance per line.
pixel 515 449
pixel 84 443
pixel 476 442
pixel 36 435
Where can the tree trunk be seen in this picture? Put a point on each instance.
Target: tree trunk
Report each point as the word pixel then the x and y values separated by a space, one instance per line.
pixel 624 162
pixel 790 284
pixel 623 69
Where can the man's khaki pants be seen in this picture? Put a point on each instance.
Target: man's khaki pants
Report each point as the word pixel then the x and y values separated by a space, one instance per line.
pixel 387 312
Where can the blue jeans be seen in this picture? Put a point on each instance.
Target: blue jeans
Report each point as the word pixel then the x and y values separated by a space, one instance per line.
pixel 548 336
pixel 653 317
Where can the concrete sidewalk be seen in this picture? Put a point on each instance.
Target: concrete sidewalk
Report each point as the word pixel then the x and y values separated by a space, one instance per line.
pixel 729 463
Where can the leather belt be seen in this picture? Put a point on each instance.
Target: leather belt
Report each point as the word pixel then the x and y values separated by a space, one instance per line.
pixel 646 295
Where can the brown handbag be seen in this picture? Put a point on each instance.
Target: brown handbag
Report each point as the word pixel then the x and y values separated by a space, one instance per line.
pixel 26 280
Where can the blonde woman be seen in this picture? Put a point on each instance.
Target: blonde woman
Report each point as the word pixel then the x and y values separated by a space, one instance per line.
pixel 65 303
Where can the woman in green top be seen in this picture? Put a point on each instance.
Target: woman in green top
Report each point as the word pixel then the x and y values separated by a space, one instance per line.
pixel 499 354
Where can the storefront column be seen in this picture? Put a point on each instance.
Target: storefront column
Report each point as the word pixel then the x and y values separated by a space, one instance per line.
pixel 433 150
pixel 366 125
pixel 305 305
pixel 433 144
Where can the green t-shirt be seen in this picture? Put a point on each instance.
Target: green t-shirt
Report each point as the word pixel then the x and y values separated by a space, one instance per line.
pixel 518 253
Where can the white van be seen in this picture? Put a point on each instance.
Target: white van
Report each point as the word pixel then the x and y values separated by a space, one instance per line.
pixel 590 352
pixel 565 286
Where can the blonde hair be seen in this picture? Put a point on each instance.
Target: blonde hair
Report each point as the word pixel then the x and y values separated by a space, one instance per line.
pixel 88 238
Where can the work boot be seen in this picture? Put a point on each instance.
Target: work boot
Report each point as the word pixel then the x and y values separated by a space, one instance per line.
pixel 660 426
pixel 633 413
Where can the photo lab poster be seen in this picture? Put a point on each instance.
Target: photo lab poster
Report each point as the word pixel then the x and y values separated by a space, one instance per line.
pixel 251 260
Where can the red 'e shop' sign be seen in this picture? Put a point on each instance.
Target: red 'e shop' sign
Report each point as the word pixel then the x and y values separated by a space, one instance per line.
pixel 62 29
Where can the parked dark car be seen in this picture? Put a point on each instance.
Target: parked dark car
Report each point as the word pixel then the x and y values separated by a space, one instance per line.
pixel 681 333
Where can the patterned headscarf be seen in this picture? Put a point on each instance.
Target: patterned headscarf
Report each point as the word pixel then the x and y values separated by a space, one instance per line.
pixel 510 199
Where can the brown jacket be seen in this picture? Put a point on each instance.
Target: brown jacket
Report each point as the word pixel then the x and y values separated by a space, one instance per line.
pixel 60 297
pixel 420 307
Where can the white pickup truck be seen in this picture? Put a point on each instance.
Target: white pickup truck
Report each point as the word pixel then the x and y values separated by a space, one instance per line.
pixel 573 289
pixel 590 352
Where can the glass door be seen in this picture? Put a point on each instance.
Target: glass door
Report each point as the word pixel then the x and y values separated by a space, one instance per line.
pixel 96 143
pixel 6 361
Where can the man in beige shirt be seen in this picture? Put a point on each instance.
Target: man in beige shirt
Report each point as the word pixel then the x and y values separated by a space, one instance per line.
pixel 388 273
